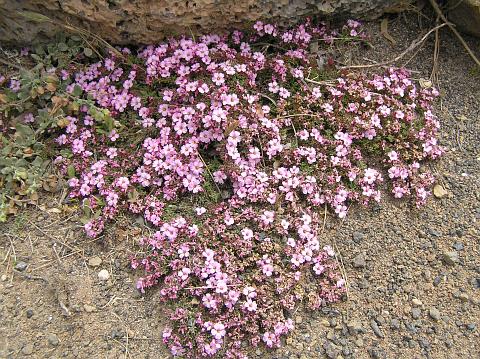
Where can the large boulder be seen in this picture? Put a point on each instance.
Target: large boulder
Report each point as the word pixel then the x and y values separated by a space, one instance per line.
pixel 148 21
pixel 465 15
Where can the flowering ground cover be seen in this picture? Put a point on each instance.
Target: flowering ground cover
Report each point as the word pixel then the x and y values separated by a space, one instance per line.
pixel 232 148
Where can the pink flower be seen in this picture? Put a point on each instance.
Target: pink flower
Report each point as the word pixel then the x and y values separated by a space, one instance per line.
pixel 267 217
pixel 370 175
pixel 269 339
pixel 200 210
pixel 247 234
pixel 112 152
pixel 329 250
pixel 250 305
pixel 184 273
pixel 221 287
pixel 318 268
pixel 218 331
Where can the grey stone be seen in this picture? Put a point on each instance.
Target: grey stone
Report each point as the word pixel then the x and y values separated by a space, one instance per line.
pixel 471 326
pixel 395 324
pixel 434 313
pixel 103 275
pixel 465 15
pixel 359 261
pixel 21 266
pixel 331 350
pixel 376 329
pixel 476 283
pixel 27 349
pixel 117 334
pixel 53 340
pixel 377 353
pixel 416 313
pixel 437 280
pixel 358 236
pixel 363 284
pixel 424 343
pixel 29 313
pixel 433 232
pixel 450 258
pixel 457 246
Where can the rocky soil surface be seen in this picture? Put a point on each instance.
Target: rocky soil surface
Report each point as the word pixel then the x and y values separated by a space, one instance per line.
pixel 413 275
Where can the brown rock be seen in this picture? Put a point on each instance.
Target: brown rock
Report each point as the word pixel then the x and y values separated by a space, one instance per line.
pixel 466 15
pixel 439 191
pixel 147 22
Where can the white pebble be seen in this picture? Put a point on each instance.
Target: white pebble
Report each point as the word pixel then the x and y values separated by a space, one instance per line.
pixel 103 275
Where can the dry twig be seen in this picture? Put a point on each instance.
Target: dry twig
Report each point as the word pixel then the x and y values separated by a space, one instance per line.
pixel 412 46
pixel 436 54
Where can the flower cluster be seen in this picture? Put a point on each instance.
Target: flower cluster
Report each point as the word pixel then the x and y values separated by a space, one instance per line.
pixel 237 278
pixel 250 135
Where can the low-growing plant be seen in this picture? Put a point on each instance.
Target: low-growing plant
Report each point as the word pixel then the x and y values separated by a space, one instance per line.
pixel 230 149
pixel 33 105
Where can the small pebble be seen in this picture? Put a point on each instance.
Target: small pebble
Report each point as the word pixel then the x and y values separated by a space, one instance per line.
pixel 434 314
pixel 416 302
pixel 27 349
pixel 359 261
pixel 103 275
pixel 21 266
pixel 94 261
pixel 376 329
pixel 358 236
pixel 476 283
pixel 450 258
pixel 89 308
pixel 439 191
pixel 395 324
pixel 53 340
pixel 457 246
pixel 416 313
pixel 29 313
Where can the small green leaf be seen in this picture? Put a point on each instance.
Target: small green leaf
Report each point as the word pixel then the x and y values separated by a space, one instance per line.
pixel 34 16
pixel 62 46
pixel 71 171
pixel 77 91
pixel 24 130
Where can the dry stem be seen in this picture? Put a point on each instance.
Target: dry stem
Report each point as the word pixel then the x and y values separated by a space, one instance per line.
pixel 412 46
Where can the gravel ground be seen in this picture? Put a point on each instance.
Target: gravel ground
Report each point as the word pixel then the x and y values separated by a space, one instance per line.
pixel 413 275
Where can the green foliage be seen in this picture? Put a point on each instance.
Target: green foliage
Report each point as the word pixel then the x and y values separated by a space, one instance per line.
pixel 21 168
pixel 42 94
